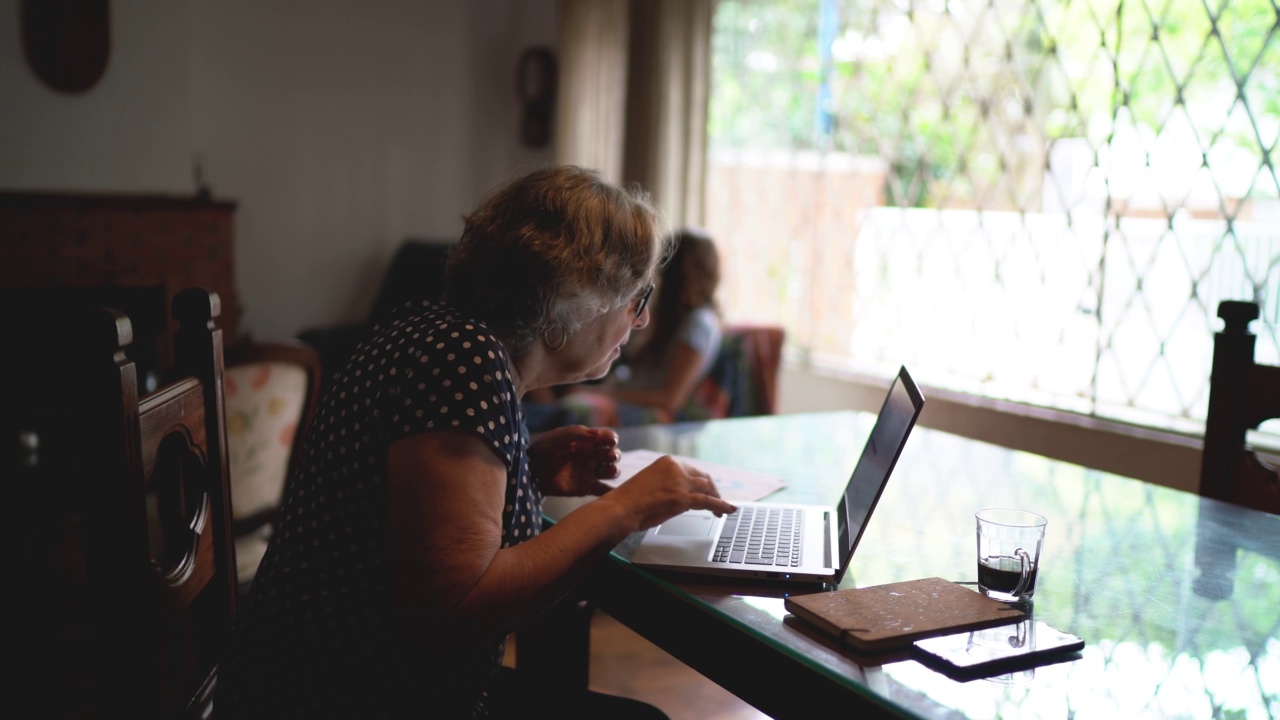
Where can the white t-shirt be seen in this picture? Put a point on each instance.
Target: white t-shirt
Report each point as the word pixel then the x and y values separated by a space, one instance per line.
pixel 701 331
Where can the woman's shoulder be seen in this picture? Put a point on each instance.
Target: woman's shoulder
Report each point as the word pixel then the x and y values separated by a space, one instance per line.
pixel 436 321
pixel 701 329
pixel 706 314
pixel 705 318
pixel 436 336
pixel 441 368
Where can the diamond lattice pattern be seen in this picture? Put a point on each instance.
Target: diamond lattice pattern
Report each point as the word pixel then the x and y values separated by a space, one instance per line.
pixel 1042 200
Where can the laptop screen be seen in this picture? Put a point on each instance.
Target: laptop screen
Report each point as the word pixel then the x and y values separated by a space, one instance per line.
pixel 897 416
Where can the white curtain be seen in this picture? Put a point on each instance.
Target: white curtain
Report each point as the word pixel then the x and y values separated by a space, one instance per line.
pixel 592 95
pixel 667 104
pixel 634 78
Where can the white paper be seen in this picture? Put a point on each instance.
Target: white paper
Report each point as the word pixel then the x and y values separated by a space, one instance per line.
pixel 733 483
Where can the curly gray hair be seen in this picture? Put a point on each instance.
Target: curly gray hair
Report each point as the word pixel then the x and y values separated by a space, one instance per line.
pixel 550 251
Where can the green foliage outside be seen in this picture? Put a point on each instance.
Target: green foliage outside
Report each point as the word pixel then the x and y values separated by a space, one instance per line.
pixel 963 99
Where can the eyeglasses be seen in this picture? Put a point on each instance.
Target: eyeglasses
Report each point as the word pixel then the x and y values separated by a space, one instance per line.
pixel 642 302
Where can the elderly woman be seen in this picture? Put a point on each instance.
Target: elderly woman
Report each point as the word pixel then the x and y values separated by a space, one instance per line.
pixel 410 543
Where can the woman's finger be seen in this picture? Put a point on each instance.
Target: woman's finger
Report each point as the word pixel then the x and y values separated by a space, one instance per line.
pixel 711 488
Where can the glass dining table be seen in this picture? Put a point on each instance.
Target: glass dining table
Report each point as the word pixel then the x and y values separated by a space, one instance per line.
pixel 1177 597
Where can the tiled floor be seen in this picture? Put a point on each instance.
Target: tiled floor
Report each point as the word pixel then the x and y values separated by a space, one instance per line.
pixel 623 663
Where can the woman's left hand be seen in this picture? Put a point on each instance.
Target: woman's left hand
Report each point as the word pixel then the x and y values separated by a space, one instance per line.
pixel 572 460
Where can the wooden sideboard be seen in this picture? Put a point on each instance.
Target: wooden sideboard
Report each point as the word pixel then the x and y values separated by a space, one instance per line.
pixel 132 252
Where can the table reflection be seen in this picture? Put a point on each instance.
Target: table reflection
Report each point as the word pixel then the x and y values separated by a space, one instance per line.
pixel 1177 597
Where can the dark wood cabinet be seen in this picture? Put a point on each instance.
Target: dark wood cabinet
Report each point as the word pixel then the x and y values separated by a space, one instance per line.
pixel 132 252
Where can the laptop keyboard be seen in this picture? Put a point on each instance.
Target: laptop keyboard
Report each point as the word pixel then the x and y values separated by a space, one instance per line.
pixel 761 536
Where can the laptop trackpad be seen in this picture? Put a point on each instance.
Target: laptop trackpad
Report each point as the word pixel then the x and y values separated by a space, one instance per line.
pixel 688 525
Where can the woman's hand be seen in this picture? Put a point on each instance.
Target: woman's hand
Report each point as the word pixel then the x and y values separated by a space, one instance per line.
pixel 573 460
pixel 664 489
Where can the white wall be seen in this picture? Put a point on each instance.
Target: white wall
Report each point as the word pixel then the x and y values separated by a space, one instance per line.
pixel 338 127
pixel 131 132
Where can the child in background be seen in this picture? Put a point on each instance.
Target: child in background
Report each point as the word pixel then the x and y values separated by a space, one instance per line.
pixel 675 352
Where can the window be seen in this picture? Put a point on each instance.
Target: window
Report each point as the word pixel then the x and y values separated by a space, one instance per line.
pixel 1036 200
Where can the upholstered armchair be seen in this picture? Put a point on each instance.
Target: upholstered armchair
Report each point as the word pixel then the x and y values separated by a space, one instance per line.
pixel 271 392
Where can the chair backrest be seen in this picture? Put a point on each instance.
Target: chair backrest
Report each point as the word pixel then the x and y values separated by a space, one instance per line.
pixel 743 379
pixel 272 388
pixel 1242 395
pixel 761 345
pixel 158 554
pixel 416 272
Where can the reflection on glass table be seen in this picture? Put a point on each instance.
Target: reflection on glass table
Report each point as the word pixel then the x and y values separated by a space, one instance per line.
pixel 1176 597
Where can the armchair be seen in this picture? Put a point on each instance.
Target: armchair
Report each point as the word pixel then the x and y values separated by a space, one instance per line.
pixel 416 272
pixel 271 395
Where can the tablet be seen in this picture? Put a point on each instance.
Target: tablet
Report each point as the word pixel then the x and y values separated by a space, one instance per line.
pixel 997 650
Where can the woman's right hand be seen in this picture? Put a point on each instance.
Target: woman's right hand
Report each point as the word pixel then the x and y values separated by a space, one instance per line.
pixel 664 489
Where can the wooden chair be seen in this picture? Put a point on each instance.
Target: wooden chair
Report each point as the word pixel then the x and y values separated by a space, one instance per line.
pixel 1242 395
pixel 272 388
pixel 159 559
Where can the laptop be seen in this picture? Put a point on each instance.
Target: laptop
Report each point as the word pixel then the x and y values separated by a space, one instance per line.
pixel 790 543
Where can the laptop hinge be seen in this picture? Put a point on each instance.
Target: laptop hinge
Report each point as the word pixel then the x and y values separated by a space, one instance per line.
pixel 826 540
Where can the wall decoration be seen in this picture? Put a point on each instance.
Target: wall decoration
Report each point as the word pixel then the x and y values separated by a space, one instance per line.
pixel 536 87
pixel 67 42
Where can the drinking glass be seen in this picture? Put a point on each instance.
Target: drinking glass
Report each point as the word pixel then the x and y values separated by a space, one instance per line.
pixel 1009 544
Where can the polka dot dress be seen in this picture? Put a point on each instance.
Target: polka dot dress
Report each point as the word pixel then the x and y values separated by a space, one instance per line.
pixel 318 633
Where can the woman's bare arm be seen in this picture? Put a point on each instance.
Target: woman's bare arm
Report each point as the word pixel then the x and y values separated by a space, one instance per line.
pixel 681 378
pixel 447 492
